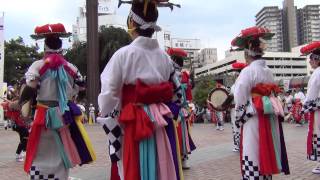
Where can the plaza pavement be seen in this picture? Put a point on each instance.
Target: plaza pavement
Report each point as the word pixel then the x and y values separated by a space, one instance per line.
pixel 212 160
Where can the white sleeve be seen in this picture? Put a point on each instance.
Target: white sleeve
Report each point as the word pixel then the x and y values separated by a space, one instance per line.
pixel 33 71
pixel 242 89
pixel 242 98
pixel 313 88
pixel 111 86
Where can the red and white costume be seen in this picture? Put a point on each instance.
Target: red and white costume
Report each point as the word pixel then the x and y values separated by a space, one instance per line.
pixel 262 148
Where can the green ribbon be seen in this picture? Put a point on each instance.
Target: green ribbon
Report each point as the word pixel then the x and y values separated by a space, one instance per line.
pixel 267 105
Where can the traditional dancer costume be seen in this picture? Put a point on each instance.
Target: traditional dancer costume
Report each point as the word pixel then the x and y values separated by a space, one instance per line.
pixel 136 82
pixel 235 130
pixel 58 140
pixel 262 148
pixel 312 104
pixel 183 92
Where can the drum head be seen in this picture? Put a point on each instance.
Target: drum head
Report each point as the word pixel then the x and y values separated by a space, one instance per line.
pixel 217 98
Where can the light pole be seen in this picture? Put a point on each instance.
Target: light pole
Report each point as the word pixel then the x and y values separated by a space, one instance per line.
pixel 92 52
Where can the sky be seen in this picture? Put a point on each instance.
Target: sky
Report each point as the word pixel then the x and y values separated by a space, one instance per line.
pixel 214 22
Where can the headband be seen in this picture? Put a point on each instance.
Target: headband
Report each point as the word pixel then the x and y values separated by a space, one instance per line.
pixel 143 24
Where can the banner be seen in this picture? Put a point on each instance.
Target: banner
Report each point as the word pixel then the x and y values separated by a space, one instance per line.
pixel 1 47
pixel 3 86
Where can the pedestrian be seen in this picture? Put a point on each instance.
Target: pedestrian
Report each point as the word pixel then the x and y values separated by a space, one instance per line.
pixel 311 103
pixel 288 101
pixel 134 87
pixel 237 66
pixel 58 140
pixel 262 147
pixel 92 114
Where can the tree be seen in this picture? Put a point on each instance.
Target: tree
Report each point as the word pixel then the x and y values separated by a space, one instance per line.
pixel 202 89
pixel 18 57
pixel 110 40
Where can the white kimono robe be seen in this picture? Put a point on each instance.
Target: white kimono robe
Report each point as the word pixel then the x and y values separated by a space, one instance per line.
pixel 312 105
pixel 142 59
pixel 256 72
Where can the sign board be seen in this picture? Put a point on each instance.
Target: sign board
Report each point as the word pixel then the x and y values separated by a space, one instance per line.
pixel 186 43
pixel 105 7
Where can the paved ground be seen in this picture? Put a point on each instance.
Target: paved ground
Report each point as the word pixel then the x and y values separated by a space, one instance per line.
pixel 213 159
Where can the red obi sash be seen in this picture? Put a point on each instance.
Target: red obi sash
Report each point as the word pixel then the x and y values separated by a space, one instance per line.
pixel 265 89
pixel 267 156
pixel 137 125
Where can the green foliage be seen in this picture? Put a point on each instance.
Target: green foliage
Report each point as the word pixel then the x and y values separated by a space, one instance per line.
pixel 18 57
pixel 202 89
pixel 110 40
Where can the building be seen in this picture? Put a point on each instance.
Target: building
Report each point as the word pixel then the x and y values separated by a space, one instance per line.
pixel 271 18
pixel 284 65
pixel 204 57
pixel 292 26
pixel 308 24
pixel 107 16
pixel 208 56
pixel 289 25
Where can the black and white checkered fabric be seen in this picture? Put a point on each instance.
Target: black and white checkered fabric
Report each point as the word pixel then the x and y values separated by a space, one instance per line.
pixel 236 139
pixel 114 133
pixel 35 174
pixel 315 156
pixel 244 113
pixel 251 171
pixel 311 106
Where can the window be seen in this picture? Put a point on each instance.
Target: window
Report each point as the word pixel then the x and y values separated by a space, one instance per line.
pixel 166 36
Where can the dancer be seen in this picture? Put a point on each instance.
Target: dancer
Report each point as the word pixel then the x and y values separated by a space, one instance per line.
pixel 136 81
pixel 58 140
pixel 311 104
pixel 262 147
pixel 183 92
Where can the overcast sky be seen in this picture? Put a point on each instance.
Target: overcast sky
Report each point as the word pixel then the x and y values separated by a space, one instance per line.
pixel 214 22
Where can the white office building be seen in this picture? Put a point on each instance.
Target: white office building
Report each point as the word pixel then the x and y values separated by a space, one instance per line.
pixel 284 65
pixel 205 56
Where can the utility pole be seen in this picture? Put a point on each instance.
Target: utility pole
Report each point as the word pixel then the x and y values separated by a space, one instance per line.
pixel 93 75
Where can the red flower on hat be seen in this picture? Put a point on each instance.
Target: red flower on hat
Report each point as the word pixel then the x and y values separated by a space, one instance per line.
pixel 251 33
pixel 49 30
pixel 239 65
pixel 310 48
pixel 177 52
